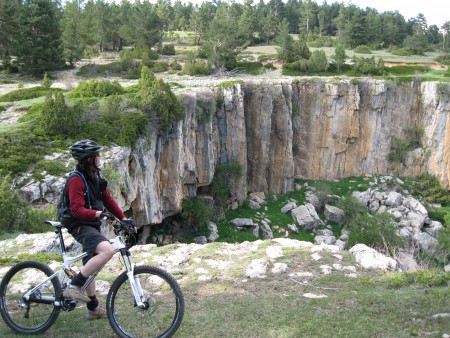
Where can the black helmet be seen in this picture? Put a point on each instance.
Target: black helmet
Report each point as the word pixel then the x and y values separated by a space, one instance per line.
pixel 84 148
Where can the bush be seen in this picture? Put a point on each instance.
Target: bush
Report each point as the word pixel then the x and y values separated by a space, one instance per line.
pixel 362 49
pixel 269 66
pixel 168 49
pixel 117 120
pixel 158 101
pixel 176 66
pixel 428 187
pixel 160 67
pixel 369 66
pixel 197 68
pixel 318 61
pixel 405 70
pixel 299 66
pixel 443 58
pixel 253 68
pixel 376 231
pixel 195 212
pixel 58 118
pixel 401 52
pixel 46 83
pixel 96 88
pixel 16 214
pixel 28 93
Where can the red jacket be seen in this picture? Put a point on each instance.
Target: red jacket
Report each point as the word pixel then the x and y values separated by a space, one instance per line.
pixel 76 190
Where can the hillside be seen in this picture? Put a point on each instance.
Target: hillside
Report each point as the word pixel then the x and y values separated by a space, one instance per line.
pixel 273 288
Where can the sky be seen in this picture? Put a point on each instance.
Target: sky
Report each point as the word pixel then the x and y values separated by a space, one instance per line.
pixel 436 11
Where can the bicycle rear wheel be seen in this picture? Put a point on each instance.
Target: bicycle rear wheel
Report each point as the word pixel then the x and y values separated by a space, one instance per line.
pixel 163 299
pixel 37 314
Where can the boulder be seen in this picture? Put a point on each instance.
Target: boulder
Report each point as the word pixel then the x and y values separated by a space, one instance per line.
pixel 307 217
pixel 334 214
pixel 369 258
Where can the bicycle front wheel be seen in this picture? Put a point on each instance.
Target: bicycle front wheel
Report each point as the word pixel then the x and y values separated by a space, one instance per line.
pixel 37 314
pixel 163 300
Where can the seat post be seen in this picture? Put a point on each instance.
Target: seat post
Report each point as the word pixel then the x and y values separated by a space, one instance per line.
pixel 61 239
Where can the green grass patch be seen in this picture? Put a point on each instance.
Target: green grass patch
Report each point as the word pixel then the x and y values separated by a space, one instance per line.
pixel 28 93
pixel 253 68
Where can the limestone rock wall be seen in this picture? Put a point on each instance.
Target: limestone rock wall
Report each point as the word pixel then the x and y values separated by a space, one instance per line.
pixel 279 130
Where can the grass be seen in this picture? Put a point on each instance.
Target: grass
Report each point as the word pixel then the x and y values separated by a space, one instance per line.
pixel 231 305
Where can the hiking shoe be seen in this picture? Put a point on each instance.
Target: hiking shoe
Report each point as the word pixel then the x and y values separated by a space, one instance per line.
pixel 75 293
pixel 98 313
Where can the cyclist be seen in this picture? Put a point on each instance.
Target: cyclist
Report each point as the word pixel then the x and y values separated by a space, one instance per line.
pixel 87 211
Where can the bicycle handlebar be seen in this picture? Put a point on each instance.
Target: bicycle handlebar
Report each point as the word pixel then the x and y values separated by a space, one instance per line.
pixel 128 225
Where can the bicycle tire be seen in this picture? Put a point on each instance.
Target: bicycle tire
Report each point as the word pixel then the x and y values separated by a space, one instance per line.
pixel 163 296
pixel 19 279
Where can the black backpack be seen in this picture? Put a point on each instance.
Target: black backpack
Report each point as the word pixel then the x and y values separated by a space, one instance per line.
pixel 63 207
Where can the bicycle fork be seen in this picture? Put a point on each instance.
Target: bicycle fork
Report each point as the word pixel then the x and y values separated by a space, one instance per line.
pixel 134 280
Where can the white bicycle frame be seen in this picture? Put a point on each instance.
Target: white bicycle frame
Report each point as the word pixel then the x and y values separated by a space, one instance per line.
pixel 66 271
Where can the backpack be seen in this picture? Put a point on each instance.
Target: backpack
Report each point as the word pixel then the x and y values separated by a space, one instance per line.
pixel 63 213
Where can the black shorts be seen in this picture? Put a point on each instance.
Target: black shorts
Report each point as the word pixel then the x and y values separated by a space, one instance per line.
pixel 89 237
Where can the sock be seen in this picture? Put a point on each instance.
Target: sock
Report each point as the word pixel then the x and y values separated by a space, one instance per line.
pixel 93 304
pixel 78 280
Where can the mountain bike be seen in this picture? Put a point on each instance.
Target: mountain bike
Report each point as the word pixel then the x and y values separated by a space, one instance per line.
pixel 143 301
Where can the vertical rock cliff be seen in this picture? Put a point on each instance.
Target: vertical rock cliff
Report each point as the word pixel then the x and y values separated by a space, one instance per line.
pixel 282 129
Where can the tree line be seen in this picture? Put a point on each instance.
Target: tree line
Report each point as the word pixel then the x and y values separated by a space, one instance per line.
pixel 41 35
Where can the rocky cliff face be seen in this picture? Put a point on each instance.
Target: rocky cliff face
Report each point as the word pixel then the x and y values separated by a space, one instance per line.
pixel 282 129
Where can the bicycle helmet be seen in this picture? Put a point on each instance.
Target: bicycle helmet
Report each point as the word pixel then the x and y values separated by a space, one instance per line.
pixel 84 148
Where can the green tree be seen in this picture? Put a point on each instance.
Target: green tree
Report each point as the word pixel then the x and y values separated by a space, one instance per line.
pixel 318 61
pixel 38 46
pixel 268 29
pixel 307 16
pixel 11 206
pixel 446 33
pixel 71 31
pixel 9 28
pixel 339 56
pixel 301 50
pixel 158 101
pixel 225 42
pixel 58 118
pixel 200 20
pixel 285 42
pixel 247 21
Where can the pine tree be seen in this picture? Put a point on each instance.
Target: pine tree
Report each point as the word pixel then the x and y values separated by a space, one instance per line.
pixel 38 46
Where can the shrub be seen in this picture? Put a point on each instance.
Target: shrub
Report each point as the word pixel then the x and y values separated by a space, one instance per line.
pixel 443 58
pixel 46 83
pixel 376 231
pixel 195 212
pixel 318 61
pixel 401 52
pixel 299 66
pixel 158 101
pixel 428 187
pixel 27 93
pixel 16 214
pixel 168 49
pixel 253 68
pixel 401 147
pixel 362 49
pixel 223 184
pixel 2 108
pixel 116 120
pixel 270 66
pixel 96 88
pixel 197 68
pixel 205 109
pixel 176 66
pixel 160 67
pixel 57 117
pixel 369 66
